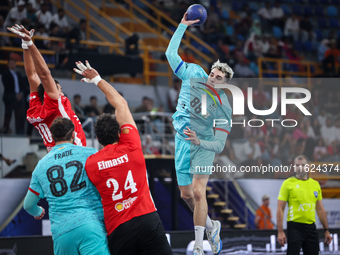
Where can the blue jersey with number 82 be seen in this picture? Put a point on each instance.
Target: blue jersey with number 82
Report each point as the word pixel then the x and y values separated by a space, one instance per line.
pixel 60 177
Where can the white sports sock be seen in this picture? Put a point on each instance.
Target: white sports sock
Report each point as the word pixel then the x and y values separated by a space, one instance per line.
pixel 208 223
pixel 199 234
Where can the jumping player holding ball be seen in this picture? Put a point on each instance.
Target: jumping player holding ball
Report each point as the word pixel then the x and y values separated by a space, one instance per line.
pixel 192 125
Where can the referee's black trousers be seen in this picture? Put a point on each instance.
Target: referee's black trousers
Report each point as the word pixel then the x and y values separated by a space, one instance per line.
pixel 305 236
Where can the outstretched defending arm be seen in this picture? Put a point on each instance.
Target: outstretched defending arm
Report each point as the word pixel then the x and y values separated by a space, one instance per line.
pixel 123 114
pixel 41 67
pixel 32 75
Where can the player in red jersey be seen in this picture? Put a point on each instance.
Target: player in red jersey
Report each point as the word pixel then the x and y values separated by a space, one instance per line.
pixel 47 101
pixel 119 173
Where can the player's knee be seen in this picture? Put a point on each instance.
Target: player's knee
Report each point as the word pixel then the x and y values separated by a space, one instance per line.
pixel 199 194
pixel 187 196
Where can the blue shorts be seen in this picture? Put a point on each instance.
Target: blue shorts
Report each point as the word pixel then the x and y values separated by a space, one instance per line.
pixel 191 159
pixel 88 239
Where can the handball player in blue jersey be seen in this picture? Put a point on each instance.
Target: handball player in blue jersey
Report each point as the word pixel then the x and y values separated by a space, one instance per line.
pixel 197 140
pixel 75 208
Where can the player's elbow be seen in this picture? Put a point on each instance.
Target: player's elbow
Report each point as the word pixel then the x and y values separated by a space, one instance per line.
pixel 220 148
pixel 44 73
pixel 170 54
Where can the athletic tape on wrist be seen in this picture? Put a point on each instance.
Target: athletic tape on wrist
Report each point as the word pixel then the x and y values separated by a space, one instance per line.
pixel 97 79
pixel 25 44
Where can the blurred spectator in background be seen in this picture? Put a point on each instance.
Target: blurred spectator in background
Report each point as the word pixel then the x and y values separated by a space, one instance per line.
pixel 209 31
pixel 300 132
pixel 213 14
pixel 78 109
pixel 92 109
pixel 337 129
pixel 61 20
pixel 148 147
pixel 263 215
pixel 277 15
pixel 44 16
pixel 331 58
pixel 253 47
pixel 333 151
pixel 78 33
pixel 222 51
pixel 7 160
pixel 322 117
pixel 274 50
pixel 41 31
pixel 265 14
pixel 16 15
pixel 256 28
pixel 292 27
pixel 173 94
pixel 320 151
pixel 242 69
pixel 251 153
pixel 186 56
pixel 57 46
pixel 310 130
pixel 13 99
pixel 316 127
pixel 4 40
pixel 328 132
pixel 147 105
pixel 260 97
pixel 5 6
pixel 31 16
pixel 306 27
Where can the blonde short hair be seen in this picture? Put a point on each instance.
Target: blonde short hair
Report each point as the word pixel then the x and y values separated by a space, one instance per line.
pixel 224 68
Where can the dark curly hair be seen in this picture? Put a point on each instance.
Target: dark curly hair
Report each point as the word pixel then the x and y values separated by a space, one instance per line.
pixel 106 129
pixel 62 129
pixel 41 90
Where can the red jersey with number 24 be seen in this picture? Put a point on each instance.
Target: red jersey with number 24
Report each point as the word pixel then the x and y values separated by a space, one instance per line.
pixel 41 116
pixel 119 173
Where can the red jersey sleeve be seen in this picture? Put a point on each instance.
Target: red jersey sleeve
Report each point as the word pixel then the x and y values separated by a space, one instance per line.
pixel 129 136
pixel 34 100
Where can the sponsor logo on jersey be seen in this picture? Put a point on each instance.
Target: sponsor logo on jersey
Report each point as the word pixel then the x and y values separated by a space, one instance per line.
pixel 34 120
pixel 113 162
pixel 125 204
pixel 33 97
pixel 297 186
pixel 316 194
pixel 307 207
pixel 126 130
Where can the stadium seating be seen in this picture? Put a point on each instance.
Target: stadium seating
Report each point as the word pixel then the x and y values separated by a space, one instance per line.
pixel 277 32
pixel 332 11
pixel 307 10
pixel 322 23
pixel 336 2
pixel 297 10
pixel 318 11
pixel 253 6
pixel 286 9
pixel 333 23
pixel 319 35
